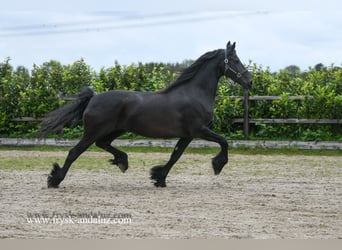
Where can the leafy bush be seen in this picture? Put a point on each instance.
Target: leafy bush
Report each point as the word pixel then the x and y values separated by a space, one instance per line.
pixel 25 93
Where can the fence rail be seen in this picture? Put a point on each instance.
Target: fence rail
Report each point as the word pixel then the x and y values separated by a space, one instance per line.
pixel 26 119
pixel 246 120
pixel 290 121
pixel 271 98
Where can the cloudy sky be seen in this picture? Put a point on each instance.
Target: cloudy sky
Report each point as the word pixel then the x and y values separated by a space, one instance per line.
pixel 270 33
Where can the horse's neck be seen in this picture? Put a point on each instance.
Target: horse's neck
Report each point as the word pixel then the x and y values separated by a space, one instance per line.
pixel 205 83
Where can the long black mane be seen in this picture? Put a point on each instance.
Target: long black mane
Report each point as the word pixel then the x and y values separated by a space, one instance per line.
pixel 192 70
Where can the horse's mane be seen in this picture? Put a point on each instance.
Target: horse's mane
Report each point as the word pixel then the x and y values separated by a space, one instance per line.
pixel 192 70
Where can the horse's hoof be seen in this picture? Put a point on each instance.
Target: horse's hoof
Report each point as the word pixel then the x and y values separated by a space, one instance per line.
pixel 218 164
pixel 158 177
pixel 123 167
pixel 53 180
pixel 160 183
pixel 51 183
pixel 121 163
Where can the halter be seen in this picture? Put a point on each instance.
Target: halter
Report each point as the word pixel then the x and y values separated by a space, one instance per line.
pixel 227 67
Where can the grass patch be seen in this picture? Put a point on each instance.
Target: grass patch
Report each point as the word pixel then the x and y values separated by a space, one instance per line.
pixel 45 163
pixel 214 150
pixel 194 162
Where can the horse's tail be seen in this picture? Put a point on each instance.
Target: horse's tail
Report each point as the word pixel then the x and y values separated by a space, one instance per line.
pixel 71 113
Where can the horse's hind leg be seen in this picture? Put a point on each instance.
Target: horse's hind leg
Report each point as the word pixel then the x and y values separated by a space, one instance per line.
pixel 57 173
pixel 159 173
pixel 120 158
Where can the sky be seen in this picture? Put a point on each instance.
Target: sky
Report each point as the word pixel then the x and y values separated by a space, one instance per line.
pixel 269 33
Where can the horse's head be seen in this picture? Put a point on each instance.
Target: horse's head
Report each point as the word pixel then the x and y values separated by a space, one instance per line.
pixel 234 69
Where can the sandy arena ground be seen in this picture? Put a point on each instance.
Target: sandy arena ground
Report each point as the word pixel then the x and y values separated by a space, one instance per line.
pixel 256 196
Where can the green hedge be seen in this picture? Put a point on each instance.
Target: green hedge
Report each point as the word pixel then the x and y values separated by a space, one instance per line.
pixel 25 93
pixel 322 91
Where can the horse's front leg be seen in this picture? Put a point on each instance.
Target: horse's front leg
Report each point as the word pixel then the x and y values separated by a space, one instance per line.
pixel 159 173
pixel 221 159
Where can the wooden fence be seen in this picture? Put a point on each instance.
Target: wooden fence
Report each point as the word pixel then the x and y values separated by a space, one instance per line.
pixel 246 120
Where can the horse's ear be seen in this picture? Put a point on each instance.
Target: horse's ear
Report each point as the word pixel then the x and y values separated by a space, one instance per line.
pixel 228 44
pixel 233 46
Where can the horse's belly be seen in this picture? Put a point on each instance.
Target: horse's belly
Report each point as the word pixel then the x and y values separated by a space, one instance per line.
pixel 156 124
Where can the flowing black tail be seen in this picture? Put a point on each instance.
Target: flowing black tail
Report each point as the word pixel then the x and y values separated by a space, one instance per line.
pixel 58 118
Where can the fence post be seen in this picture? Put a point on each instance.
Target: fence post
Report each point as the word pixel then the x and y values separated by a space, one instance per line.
pixel 246 113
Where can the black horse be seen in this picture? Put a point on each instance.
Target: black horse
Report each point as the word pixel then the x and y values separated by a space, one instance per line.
pixel 184 110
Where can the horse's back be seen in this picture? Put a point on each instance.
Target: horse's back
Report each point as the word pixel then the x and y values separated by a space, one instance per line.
pixel 111 104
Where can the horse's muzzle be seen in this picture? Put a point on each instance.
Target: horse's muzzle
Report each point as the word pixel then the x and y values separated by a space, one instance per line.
pixel 247 86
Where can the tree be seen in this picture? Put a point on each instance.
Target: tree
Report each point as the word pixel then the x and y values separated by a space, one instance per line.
pixel 293 69
pixel 319 66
